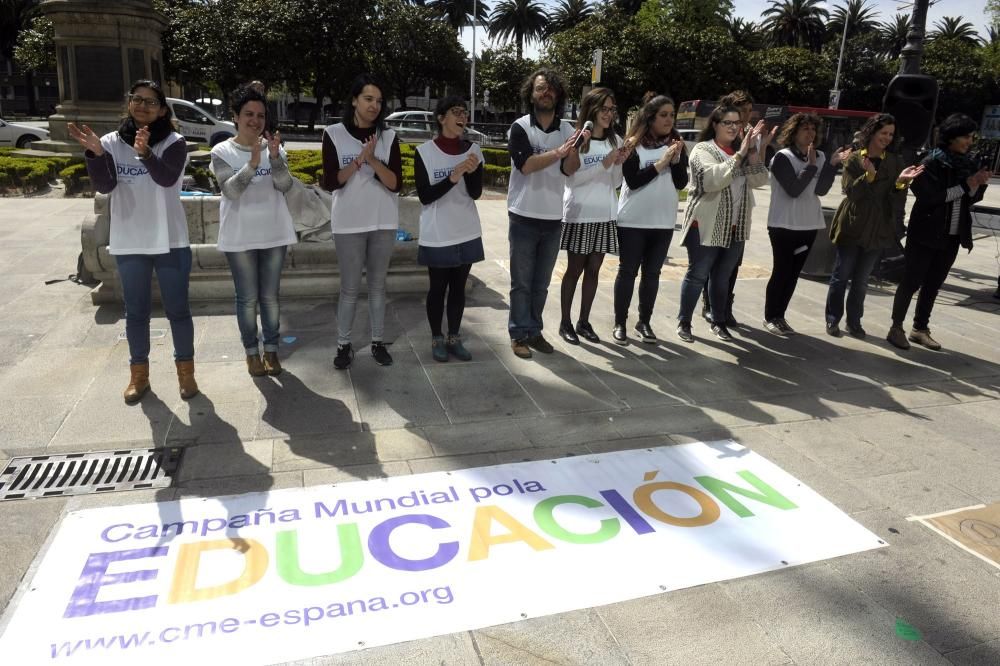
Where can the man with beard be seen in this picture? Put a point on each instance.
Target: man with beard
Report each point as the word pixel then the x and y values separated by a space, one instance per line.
pixel 538 142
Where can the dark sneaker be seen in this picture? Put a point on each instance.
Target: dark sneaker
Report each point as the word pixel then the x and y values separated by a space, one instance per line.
pixel 567 333
pixel 618 335
pixel 897 338
pixel 457 349
pixel 720 331
pixel 520 348
pixel 684 332
pixel 706 314
pixel 856 331
pixel 540 344
pixel 438 349
pixel 587 331
pixel 772 326
pixel 645 332
pixel 381 353
pixel 785 328
pixel 345 354
pixel 922 336
pixel 832 330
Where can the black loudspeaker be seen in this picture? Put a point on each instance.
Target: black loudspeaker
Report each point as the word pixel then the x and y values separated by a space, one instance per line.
pixel 912 100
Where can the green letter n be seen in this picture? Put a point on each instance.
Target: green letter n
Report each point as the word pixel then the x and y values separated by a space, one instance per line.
pixel 765 493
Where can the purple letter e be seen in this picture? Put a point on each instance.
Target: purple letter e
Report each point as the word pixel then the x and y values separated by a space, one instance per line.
pixel 95 575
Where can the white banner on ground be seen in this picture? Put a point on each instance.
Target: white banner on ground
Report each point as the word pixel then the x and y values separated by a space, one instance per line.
pixel 271 577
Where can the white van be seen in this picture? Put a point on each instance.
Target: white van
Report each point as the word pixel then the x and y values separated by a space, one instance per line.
pixel 198 125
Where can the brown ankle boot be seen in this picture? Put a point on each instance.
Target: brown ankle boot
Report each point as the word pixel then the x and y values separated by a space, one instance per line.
pixel 185 379
pixel 138 384
pixel 271 364
pixel 254 365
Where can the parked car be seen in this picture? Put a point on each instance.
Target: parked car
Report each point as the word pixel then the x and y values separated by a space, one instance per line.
pixel 16 135
pixel 419 126
pixel 198 125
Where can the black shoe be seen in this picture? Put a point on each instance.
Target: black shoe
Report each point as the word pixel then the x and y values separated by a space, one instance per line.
pixel 645 332
pixel 785 328
pixel 720 331
pixel 684 332
pixel 772 326
pixel 618 335
pixel 381 354
pixel 856 331
pixel 345 354
pixel 706 314
pixel 567 333
pixel 540 344
pixel 832 330
pixel 587 331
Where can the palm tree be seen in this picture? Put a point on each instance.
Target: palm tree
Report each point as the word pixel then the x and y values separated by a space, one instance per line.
pixel 518 20
pixel 796 22
pixel 954 27
pixel 746 33
pixel 893 34
pixel 992 36
pixel 458 13
pixel 859 15
pixel 569 14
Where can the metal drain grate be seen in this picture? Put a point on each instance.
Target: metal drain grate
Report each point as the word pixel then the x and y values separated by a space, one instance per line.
pixel 86 473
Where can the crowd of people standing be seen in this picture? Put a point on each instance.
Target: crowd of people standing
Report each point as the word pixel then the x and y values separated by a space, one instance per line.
pixel 589 189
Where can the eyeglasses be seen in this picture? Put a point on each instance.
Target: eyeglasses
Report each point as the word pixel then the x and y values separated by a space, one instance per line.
pixel 459 111
pixel 138 100
pixel 729 123
pixel 543 87
pixel 609 109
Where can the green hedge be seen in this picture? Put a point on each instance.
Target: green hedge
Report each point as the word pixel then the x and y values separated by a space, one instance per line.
pixel 75 178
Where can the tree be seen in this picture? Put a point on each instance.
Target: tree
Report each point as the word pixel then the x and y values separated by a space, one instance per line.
pixel 15 15
pixel 16 18
pixel 866 72
pixel 796 23
pixel 500 71
pixel 518 20
pixel 791 75
pixel 746 34
pixel 699 13
pixel 893 35
pixel 36 45
pixel 954 28
pixel 959 67
pixel 568 14
pixel 859 16
pixel 458 13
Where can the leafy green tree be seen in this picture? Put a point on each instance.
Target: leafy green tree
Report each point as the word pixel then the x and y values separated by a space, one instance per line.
pixel 518 20
pixel 791 75
pixel 866 71
pixel 746 34
pixel 699 13
pixel 893 33
pixel 954 28
pixel 859 15
pixel 798 23
pixel 36 46
pixel 458 13
pixel 568 14
pixel 500 71
pixel 959 66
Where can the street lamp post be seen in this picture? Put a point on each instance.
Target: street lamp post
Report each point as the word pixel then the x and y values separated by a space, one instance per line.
pixel 472 76
pixel 835 93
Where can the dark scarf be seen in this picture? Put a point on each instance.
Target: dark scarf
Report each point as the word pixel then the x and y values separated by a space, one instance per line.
pixel 963 165
pixel 159 130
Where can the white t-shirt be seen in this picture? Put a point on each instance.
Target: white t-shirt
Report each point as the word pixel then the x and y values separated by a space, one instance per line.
pixel 453 218
pixel 590 193
pixel 146 218
pixel 539 194
pixel 363 203
pixel 259 219
pixel 654 205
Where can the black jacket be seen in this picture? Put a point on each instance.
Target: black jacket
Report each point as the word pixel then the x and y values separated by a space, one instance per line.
pixel 930 217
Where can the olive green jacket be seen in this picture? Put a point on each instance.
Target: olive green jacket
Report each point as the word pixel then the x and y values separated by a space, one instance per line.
pixel 867 215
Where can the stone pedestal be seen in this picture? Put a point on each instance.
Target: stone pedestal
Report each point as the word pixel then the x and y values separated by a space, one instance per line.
pixel 101 48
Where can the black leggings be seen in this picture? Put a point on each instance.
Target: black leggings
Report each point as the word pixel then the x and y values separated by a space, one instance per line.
pixel 450 281
pixel 590 266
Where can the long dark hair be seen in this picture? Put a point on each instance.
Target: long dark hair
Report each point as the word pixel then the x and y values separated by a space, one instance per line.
pixel 357 86
pixel 589 108
pixel 555 82
pixel 159 129
pixel 708 132
pixel 644 120
pixel 873 125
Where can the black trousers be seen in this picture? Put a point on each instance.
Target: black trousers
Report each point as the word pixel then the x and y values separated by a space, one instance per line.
pixel 789 249
pixel 451 282
pixel 926 269
pixel 707 298
pixel 639 249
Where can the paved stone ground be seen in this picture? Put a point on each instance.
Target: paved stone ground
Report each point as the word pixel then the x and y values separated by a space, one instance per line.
pixel 881 433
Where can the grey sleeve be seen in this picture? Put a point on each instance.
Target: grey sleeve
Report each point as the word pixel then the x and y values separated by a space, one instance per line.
pixel 281 175
pixel 232 183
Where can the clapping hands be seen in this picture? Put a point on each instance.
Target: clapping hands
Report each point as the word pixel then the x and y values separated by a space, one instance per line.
pixel 468 165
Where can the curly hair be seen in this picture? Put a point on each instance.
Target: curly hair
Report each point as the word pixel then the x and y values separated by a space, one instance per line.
pixel 786 136
pixel 873 125
pixel 244 94
pixel 708 133
pixel 555 82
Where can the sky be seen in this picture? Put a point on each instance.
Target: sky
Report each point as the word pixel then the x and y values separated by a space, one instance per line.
pixel 973 11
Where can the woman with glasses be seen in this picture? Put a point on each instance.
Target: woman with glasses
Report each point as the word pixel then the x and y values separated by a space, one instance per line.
pixel 875 183
pixel 940 222
pixel 590 206
pixel 717 220
pixel 363 169
pixel 255 227
pixel 449 177
pixel 647 211
pixel 140 165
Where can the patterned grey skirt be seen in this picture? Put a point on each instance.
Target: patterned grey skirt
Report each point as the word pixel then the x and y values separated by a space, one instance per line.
pixel 588 237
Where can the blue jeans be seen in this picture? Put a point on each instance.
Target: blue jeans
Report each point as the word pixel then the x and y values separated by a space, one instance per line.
pixel 710 264
pixel 172 272
pixel 257 276
pixel 854 264
pixel 534 246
